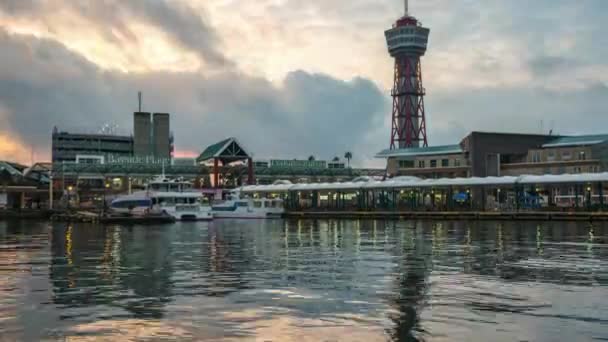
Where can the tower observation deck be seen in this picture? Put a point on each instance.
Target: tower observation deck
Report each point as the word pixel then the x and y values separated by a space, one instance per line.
pixel 407 42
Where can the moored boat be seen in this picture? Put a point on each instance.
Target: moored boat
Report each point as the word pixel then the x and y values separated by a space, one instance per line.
pixel 173 197
pixel 248 208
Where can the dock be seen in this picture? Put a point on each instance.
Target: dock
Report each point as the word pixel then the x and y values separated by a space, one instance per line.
pixel 93 217
pixel 470 216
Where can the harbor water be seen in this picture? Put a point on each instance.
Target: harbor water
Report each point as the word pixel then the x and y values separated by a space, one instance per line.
pixel 304 280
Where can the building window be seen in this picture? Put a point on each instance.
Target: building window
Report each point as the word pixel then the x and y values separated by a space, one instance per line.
pixel 551 156
pixel 456 162
pixel 445 162
pixel 433 163
pixel 566 155
pixel 582 155
pixel 406 164
pixel 535 157
pixel 421 164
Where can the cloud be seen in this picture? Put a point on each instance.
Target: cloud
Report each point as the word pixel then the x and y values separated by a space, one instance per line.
pixel 44 83
pixel 294 78
pixel 116 23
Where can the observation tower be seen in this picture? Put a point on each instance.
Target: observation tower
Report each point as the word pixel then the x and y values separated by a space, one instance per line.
pixel 407 42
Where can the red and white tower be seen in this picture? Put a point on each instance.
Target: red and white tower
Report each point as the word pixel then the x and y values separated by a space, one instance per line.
pixel 407 42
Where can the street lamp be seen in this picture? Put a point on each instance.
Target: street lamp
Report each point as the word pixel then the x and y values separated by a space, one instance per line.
pixel 70 188
pixel 106 187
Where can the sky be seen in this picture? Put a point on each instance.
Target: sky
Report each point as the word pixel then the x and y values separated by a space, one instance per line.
pixel 292 78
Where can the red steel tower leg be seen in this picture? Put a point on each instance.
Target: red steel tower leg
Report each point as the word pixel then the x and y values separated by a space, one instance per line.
pixel 408 118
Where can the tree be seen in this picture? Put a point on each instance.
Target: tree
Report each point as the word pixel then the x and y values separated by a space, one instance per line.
pixel 336 159
pixel 348 156
pixel 311 158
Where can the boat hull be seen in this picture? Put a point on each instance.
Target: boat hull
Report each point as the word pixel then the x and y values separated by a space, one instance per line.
pixel 246 215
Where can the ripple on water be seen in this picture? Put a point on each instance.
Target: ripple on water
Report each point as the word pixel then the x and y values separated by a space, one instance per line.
pixel 305 281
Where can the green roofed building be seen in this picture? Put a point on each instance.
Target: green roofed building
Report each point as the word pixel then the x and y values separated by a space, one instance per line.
pixel 223 153
pixel 485 154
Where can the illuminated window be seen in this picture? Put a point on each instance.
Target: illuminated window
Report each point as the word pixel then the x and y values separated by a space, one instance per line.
pixel 582 155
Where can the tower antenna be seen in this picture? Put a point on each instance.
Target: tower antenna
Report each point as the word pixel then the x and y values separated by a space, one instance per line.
pixel 407 8
pixel 139 100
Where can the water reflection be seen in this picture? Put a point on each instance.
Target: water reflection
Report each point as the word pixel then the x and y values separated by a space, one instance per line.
pixel 315 280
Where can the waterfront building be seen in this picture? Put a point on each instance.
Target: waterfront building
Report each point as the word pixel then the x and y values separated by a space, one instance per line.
pixel 589 192
pixel 307 171
pixel 79 146
pixel 22 186
pixel 484 154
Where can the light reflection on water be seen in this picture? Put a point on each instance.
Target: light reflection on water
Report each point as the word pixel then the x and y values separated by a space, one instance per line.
pixel 305 281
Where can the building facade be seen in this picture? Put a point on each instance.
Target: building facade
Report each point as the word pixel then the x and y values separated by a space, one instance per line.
pixel 72 147
pixel 427 162
pixel 482 154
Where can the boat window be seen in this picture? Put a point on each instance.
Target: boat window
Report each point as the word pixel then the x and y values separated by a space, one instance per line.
pixel 257 204
pixel 131 204
pixel 241 204
pixel 181 200
pixel 167 201
pixel 163 187
pixel 174 187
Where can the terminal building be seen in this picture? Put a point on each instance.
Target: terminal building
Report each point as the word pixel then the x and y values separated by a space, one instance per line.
pixel 88 148
pixel 484 154
pixel 151 139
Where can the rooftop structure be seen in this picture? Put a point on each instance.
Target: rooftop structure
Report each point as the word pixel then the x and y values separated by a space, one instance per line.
pixel 161 135
pixel 142 131
pixel 581 140
pixel 226 152
pixel 421 151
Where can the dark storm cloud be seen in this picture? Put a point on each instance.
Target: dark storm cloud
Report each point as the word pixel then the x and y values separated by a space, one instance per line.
pixel 183 24
pixel 42 84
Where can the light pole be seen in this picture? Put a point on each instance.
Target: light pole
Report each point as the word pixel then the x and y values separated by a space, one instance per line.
pixel 105 189
pixel 68 195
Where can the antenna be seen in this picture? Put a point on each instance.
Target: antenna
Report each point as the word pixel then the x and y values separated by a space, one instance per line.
pixel 407 7
pixel 139 98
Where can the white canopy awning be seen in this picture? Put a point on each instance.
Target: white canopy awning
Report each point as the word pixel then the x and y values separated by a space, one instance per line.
pixel 413 182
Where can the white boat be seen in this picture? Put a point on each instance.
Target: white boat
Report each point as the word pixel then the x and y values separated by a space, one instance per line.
pixel 248 208
pixel 173 197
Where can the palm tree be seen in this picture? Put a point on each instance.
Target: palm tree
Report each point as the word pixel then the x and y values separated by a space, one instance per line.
pixel 311 158
pixel 348 156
